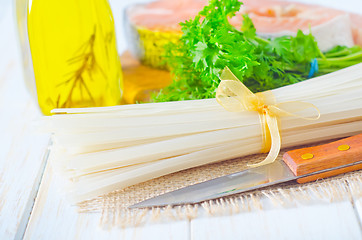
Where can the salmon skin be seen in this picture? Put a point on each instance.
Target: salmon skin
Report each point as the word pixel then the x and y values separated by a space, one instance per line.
pixel 152 25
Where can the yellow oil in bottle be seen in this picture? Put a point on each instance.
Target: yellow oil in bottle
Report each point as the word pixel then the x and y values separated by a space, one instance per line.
pixel 74 54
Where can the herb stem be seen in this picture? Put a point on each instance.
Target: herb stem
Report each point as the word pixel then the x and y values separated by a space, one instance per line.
pixel 340 53
pixel 262 40
pixel 345 58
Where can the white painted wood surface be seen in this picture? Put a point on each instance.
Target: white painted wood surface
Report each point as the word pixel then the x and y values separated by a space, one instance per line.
pixel 21 147
pixel 22 167
pixel 54 217
pixel 322 221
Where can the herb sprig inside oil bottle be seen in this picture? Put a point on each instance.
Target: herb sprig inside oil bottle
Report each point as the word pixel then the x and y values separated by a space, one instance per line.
pixel 74 54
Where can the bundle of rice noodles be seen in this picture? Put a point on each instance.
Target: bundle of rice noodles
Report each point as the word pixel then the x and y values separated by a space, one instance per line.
pixel 105 149
pixel 151 26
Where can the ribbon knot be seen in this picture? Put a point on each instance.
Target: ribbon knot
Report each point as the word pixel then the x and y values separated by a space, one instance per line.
pixel 234 96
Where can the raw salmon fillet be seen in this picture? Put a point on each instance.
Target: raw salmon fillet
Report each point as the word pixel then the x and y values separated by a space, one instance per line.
pixel 330 27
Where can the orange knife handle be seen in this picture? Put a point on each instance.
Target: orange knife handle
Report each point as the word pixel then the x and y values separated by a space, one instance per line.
pixel 308 160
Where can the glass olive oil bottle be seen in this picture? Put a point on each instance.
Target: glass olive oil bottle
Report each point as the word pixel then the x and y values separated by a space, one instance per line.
pixel 74 54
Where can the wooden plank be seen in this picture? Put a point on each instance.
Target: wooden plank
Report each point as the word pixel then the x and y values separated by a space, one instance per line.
pixel 21 146
pixel 357 204
pixel 355 186
pixel 320 221
pixel 54 217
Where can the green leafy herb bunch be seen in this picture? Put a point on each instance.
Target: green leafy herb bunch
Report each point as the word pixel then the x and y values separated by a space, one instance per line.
pixel 210 43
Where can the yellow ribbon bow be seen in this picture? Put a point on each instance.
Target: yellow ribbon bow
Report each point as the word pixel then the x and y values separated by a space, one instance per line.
pixel 234 96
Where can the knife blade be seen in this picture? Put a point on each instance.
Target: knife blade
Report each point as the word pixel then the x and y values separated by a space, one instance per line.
pixel 302 165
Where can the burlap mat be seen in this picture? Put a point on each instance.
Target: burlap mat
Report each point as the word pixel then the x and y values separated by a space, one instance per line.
pixel 115 212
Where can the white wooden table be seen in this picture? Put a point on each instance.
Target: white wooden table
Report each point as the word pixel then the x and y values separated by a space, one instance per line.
pixel 33 207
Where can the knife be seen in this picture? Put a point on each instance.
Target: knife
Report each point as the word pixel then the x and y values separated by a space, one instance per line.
pixel 303 165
